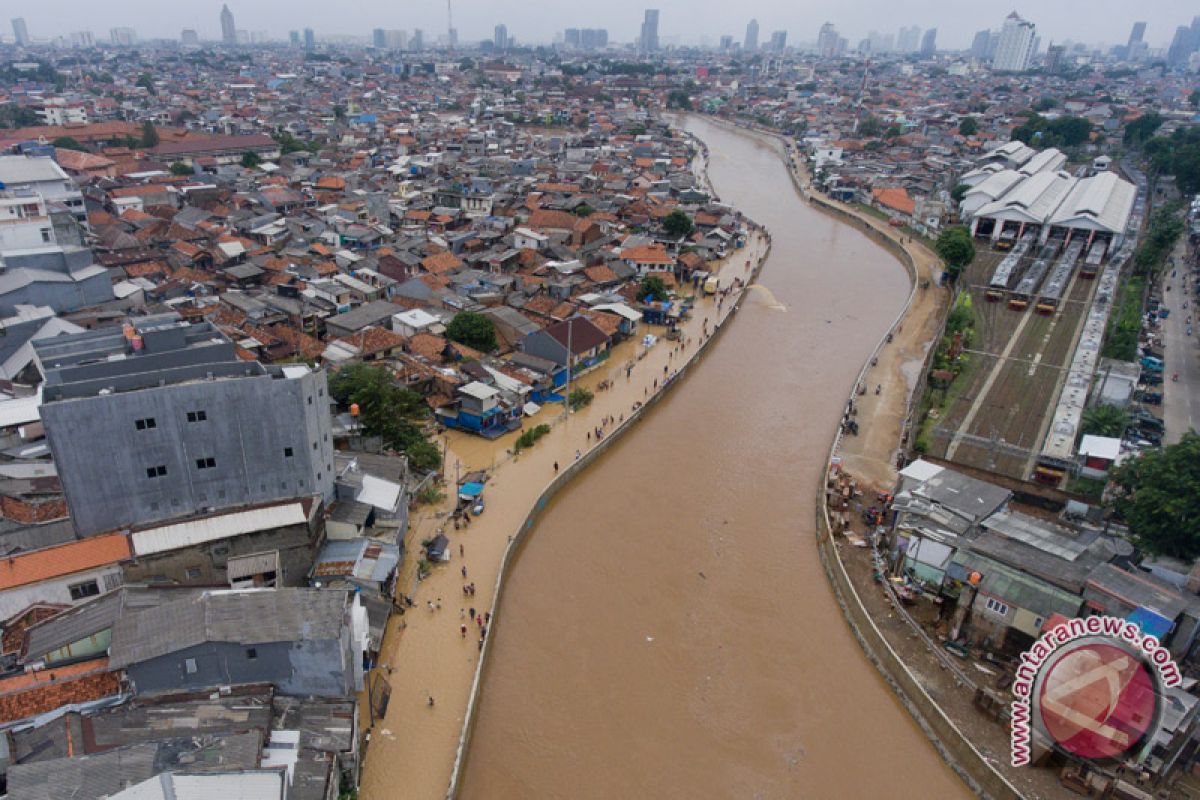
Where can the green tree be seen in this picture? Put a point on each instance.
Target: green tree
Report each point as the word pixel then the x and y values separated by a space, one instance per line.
pixel 1044 104
pixel 870 126
pixel 251 159
pixel 1194 98
pixel 678 98
pixel 68 143
pixel 180 168
pixel 893 131
pixel 146 82
pixel 393 413
pixel 678 224
pixel 1142 128
pixel 473 330
pixel 1104 420
pixel 579 398
pixel 954 246
pixel 959 192
pixel 968 126
pixel 651 289
pixel 149 135
pixel 1158 496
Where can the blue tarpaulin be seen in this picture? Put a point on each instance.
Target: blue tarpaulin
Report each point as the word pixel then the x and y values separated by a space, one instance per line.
pixel 470 490
pixel 1151 623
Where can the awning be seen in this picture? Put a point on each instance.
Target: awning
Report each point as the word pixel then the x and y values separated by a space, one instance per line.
pixel 470 490
pixel 239 567
pixel 1150 622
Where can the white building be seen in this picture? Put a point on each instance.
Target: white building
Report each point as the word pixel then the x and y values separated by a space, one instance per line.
pixel 23 175
pixel 1017 44
pixel 24 223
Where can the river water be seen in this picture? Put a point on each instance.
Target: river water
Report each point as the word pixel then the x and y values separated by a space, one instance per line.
pixel 667 630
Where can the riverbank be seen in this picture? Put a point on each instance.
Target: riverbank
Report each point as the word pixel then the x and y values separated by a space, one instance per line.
pixel 421 746
pixel 882 629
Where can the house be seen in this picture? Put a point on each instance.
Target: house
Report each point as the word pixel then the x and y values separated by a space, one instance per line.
pixel 481 409
pixel 377 312
pixel 66 573
pixel 1098 454
pixel 302 641
pixel 574 342
pixel 648 258
pixel 526 239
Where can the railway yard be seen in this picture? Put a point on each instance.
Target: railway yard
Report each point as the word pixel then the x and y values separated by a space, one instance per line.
pixel 999 410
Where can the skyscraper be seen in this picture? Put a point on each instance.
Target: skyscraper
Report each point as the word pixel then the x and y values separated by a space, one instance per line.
pixel 649 40
pixel 500 37
pixel 1136 34
pixel 417 42
pixel 294 38
pixel 778 41
pixel 909 39
pixel 310 39
pixel 929 42
pixel 726 43
pixel 20 32
pixel 189 37
pixel 979 45
pixel 1014 52
pixel 228 29
pixel 379 39
pixel 123 37
pixel 750 44
pixel 827 40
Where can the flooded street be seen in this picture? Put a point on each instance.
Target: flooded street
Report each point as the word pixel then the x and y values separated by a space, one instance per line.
pixel 668 630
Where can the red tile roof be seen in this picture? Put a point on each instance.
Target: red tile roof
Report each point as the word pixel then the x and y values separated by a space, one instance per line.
pixel 63 559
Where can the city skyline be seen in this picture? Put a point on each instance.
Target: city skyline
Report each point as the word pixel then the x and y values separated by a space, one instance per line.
pixel 703 22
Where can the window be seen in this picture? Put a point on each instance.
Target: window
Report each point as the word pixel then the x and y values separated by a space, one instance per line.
pixel 206 463
pixel 996 607
pixel 189 666
pixel 314 445
pixel 197 416
pixel 287 452
pixel 145 424
pixel 192 573
pixel 310 399
pixel 251 653
pixel 46 235
pixel 80 591
pixel 156 471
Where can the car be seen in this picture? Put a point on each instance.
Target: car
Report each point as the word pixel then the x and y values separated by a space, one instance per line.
pixel 1153 398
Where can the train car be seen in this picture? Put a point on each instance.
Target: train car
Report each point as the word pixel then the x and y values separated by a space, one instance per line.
pixel 1052 293
pixel 1026 290
pixel 1002 278
pixel 1091 264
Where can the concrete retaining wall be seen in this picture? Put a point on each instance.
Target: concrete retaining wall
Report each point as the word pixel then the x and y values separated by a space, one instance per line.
pixel 951 743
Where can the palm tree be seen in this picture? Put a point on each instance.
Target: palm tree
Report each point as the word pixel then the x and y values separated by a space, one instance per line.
pixel 1104 420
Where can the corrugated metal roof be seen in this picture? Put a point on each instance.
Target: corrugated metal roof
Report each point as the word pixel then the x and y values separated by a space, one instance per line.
pixel 259 784
pixel 220 526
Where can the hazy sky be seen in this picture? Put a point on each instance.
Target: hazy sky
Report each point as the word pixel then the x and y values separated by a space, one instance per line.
pixel 682 21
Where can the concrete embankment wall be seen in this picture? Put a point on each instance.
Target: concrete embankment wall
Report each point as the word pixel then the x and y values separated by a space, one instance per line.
pixel 517 540
pixel 951 743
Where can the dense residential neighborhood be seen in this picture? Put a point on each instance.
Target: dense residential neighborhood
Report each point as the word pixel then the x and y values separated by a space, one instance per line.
pixel 250 292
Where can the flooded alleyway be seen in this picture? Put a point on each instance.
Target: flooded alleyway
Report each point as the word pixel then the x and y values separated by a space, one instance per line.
pixel 668 630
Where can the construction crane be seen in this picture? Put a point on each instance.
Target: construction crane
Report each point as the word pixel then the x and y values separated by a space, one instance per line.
pixel 449 25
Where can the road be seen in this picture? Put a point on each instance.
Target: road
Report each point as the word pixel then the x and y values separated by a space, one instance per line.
pixel 1181 400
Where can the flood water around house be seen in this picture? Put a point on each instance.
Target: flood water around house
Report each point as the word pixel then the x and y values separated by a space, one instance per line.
pixel 668 630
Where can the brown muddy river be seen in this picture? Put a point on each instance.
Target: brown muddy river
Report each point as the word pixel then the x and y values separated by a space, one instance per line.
pixel 668 631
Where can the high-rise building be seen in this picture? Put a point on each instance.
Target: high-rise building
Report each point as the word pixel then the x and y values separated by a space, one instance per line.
pixel 593 38
pixel 649 39
pixel 929 42
pixel 83 39
pixel 452 38
pixel 1015 49
pixel 572 39
pixel 979 45
pixel 726 43
pixel 778 41
pixel 189 37
pixel 1136 34
pixel 20 32
pixel 294 38
pixel 417 40
pixel 1185 42
pixel 750 43
pixel 123 37
pixel 173 410
pixel 909 39
pixel 828 40
pixel 500 37
pixel 310 39
pixel 1056 58
pixel 379 39
pixel 228 29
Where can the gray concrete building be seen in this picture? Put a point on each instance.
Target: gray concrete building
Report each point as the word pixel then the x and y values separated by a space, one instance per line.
pixel 63 278
pixel 161 420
